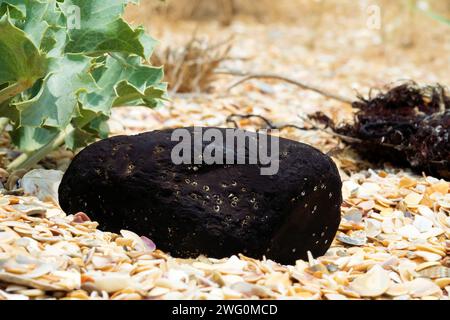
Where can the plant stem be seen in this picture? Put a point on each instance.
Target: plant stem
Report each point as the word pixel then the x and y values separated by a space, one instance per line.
pixel 27 160
pixel 11 91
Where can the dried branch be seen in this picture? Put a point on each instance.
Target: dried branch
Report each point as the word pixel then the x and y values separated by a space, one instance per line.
pixel 250 76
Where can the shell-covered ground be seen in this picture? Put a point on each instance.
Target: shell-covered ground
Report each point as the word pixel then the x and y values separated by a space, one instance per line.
pixel 394 238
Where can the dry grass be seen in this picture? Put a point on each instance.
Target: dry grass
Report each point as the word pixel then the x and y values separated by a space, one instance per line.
pixel 190 68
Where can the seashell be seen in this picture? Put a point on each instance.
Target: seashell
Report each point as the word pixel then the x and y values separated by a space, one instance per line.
pixel 443 220
pixel 406 270
pixel 435 272
pixel 20 280
pixel 42 183
pixel 372 284
pixel 352 240
pixel 353 215
pixel 278 282
pixel 170 284
pixel 386 212
pixel 407 182
pixel 49 239
pixel 335 296
pixel 100 262
pixel 367 205
pixel 398 245
pixel 80 217
pixel 227 280
pixel 41 270
pixel 389 263
pixel 250 290
pixel 431 248
pixel 233 265
pixel 8 236
pixel 441 187
pixel 426 212
pixel 4 201
pixel 54 213
pixel 413 199
pixel 442 282
pixel 177 276
pixel 409 232
pixel 30 210
pixel 111 281
pixel 158 291
pixel 421 287
pixel 373 228
pixel 149 244
pixel 367 190
pixel 445 202
pixel 422 224
pixel 431 180
pixel 433 232
pixel 388 226
pixel 33 293
pixel 349 187
pixel 10 296
pixel 16 224
pixel 397 289
pixel 428 256
pixel 426 265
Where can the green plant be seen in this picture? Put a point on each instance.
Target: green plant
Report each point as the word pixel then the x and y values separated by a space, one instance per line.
pixel 63 66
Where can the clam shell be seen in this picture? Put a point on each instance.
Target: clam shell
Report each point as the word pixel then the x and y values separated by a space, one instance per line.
pixel 352 240
pixel 422 287
pixel 413 199
pixel 21 280
pixel 111 281
pixel 372 284
pixel 435 272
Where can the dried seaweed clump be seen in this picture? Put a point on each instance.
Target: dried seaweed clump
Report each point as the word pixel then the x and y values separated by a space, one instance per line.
pixel 408 126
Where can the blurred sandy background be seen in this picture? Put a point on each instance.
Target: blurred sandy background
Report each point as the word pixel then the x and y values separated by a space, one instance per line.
pixel 347 47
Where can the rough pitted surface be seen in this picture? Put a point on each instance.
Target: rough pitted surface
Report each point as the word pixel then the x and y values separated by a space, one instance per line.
pixel 130 182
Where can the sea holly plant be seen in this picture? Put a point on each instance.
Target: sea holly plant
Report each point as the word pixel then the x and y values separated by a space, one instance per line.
pixel 64 64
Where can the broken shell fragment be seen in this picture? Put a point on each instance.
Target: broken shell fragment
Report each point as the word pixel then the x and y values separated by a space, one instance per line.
pixel 372 284
pixel 356 239
pixel 422 287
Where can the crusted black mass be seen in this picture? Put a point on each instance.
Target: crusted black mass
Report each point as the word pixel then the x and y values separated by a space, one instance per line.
pixel 131 182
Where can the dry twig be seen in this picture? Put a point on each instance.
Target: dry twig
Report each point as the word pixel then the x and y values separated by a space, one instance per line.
pixel 250 76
